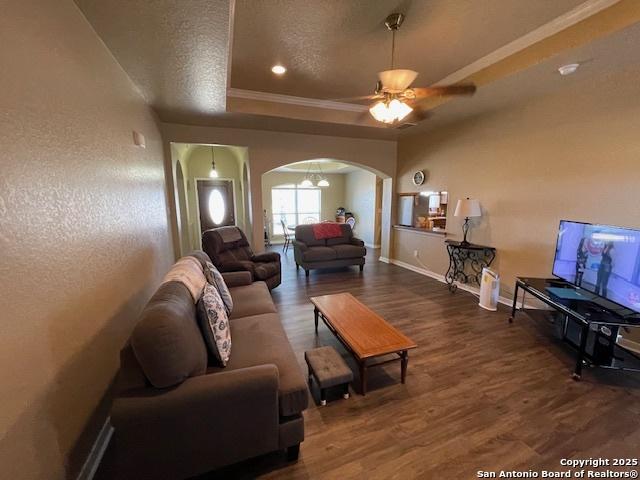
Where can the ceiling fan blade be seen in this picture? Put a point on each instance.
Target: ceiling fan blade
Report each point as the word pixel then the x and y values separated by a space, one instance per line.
pixel 364 117
pixel 444 91
pixel 355 99
pixel 417 115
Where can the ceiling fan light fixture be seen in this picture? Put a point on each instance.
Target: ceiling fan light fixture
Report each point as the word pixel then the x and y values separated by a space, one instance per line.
pixel 389 112
pixel 399 109
pixel 398 80
pixel 381 113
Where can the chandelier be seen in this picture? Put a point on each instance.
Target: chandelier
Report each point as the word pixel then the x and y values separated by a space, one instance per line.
pixel 318 177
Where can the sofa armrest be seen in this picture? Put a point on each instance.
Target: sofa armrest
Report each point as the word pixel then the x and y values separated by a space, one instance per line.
pixel 357 241
pixel 250 392
pixel 237 279
pixel 236 266
pixel 300 245
pixel 266 257
pixel 210 420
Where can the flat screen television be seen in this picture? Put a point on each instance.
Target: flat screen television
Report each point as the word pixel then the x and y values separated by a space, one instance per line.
pixel 601 259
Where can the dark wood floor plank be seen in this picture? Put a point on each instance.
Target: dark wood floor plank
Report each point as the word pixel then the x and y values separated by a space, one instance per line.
pixel 480 393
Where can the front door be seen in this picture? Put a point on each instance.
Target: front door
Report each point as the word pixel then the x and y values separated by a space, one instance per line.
pixel 215 201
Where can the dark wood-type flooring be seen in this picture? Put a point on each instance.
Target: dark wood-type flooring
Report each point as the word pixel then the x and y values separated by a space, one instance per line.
pixel 481 394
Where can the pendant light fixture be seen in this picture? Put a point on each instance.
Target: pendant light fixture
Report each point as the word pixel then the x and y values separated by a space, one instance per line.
pixel 319 178
pixel 323 182
pixel 306 182
pixel 213 173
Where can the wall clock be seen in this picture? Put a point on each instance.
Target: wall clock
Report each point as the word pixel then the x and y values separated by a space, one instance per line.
pixel 418 178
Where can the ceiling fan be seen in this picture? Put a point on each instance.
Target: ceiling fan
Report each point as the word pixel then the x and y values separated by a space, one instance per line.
pixel 394 97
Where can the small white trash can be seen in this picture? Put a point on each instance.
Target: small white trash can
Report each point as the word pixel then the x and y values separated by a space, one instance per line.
pixel 489 289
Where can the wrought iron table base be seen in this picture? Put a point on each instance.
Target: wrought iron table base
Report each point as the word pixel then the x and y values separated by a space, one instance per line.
pixel 466 262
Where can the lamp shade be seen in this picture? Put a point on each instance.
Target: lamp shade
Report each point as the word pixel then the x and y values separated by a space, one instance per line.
pixel 468 207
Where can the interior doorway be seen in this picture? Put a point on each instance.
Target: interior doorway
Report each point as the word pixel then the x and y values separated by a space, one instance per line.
pixel 216 205
pixel 198 207
pixel 321 190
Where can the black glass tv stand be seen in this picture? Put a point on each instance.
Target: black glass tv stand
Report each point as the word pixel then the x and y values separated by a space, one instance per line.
pixel 589 324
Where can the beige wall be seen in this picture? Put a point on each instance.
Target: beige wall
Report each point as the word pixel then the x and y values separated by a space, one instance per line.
pixel 572 154
pixel 331 197
pixel 198 162
pixel 360 199
pixel 83 230
pixel 268 150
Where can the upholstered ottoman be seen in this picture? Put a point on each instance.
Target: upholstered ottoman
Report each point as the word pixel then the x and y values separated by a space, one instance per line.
pixel 328 369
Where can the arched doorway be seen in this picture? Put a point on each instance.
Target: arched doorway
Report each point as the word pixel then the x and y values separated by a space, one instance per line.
pixel 335 184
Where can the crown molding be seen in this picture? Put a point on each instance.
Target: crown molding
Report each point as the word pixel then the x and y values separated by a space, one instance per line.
pixel 564 21
pixel 581 12
pixel 291 100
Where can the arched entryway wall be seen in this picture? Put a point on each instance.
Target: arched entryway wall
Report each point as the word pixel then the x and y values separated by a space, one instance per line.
pixel 348 185
pixel 268 150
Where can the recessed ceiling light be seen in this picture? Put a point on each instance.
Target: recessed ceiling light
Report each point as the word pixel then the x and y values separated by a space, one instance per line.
pixel 568 69
pixel 278 69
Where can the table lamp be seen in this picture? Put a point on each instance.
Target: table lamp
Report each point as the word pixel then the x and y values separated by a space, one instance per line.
pixel 467 208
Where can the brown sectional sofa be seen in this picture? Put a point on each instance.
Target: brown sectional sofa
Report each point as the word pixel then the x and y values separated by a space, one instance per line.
pixel 176 415
pixel 341 251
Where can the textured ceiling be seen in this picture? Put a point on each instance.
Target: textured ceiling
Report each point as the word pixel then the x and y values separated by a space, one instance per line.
pixel 334 48
pixel 176 52
pixel 615 54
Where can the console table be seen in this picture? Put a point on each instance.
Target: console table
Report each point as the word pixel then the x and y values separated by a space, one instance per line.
pixel 466 261
pixel 590 323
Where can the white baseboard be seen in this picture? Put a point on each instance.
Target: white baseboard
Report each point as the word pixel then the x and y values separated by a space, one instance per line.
pixel 371 245
pixel 384 259
pixel 439 277
pixel 92 462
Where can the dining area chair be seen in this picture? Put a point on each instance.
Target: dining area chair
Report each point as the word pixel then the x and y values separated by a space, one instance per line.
pixel 287 236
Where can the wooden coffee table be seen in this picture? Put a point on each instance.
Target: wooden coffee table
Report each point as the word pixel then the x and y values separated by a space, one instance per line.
pixel 364 333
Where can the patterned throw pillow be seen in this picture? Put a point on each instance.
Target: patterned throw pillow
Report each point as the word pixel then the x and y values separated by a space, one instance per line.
pixel 214 323
pixel 214 277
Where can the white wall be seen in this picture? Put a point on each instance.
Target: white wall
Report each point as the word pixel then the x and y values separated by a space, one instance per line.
pixel 360 200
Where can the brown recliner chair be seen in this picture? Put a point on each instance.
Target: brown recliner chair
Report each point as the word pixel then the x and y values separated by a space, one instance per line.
pixel 229 251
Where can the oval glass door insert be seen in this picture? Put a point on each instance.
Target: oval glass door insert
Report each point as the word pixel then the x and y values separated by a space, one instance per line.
pixel 217 207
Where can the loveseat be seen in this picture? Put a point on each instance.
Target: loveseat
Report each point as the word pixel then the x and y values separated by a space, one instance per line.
pixel 176 414
pixel 339 251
